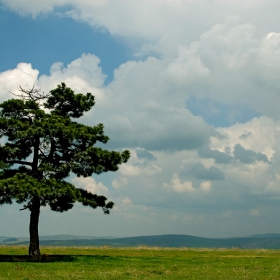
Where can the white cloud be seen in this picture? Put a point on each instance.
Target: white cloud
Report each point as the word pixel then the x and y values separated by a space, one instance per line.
pixel 117 183
pixel 250 178
pixel 178 186
pixel 137 167
pixel 254 213
pixel 82 75
pixel 258 134
pixel 90 185
pixel 133 171
pixel 155 111
pixel 206 186
pixel 126 201
pixel 187 68
pixel 154 18
pixel 23 75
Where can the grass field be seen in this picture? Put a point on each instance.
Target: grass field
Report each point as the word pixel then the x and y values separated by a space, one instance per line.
pixel 139 263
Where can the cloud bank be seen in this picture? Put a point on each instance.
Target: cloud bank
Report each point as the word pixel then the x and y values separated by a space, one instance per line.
pixel 201 173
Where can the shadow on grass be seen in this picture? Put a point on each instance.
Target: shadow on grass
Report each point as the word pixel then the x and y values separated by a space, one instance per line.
pixel 49 258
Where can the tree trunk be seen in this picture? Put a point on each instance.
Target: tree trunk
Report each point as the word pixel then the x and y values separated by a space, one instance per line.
pixel 34 247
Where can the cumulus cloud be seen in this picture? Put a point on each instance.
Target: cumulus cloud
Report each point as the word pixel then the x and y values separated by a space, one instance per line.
pixel 117 183
pixel 138 18
pixel 254 213
pixel 83 75
pixel 130 170
pixel 248 156
pixel 143 112
pixel 90 185
pixel 23 75
pixel 154 19
pixel 180 186
pixel 159 126
pixel 199 171
pixel 219 157
pixel 188 67
pixel 126 201
pixel 226 60
pixel 142 153
pixel 161 113
pixel 205 186
pixel 239 153
pixel 263 138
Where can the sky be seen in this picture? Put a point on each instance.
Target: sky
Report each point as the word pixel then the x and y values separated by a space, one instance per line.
pixel 190 87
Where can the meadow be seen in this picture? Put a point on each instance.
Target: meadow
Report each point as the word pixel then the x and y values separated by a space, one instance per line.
pixel 139 263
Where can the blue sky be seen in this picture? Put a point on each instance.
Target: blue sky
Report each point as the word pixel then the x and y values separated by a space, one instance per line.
pixel 191 88
pixel 53 38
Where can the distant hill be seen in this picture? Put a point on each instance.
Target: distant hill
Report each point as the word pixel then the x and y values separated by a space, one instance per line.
pixel 265 241
pixel 49 238
pixel 265 235
pixel 71 237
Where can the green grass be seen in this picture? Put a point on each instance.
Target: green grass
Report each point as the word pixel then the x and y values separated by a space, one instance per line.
pixel 139 263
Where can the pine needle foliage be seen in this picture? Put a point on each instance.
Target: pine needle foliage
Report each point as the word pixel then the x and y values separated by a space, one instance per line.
pixel 43 145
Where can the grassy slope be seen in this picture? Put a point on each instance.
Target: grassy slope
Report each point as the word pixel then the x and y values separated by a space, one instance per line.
pixel 139 263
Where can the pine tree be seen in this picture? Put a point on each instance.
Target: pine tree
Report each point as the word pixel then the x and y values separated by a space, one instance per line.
pixel 43 146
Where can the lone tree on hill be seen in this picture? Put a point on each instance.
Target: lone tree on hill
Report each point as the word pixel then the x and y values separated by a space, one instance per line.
pixel 43 145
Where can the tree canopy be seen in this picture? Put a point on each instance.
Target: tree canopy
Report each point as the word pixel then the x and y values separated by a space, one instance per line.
pixel 42 145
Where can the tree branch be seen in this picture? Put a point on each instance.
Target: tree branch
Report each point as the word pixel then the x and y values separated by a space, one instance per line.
pixel 51 153
pixel 42 153
pixel 18 162
pixel 31 94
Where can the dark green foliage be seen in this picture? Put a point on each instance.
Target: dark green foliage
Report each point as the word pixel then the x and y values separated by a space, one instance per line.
pixel 43 146
pixel 64 102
